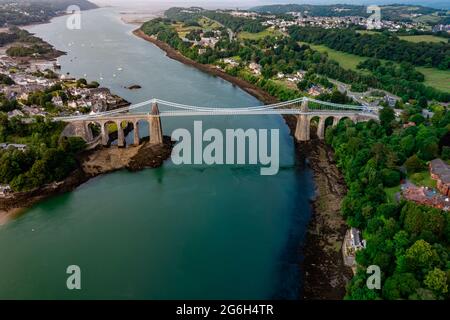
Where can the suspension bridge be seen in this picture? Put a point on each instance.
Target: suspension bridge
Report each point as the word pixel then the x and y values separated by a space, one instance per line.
pixel 304 109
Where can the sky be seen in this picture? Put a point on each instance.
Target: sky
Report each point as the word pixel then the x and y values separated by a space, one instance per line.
pixel 163 4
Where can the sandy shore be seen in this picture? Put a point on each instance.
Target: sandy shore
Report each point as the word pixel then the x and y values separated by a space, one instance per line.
pixel 325 275
pixel 91 164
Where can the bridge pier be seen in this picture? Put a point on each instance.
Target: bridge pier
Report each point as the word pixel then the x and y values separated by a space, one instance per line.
pixel 105 135
pixel 88 131
pixel 120 135
pixel 136 133
pixel 156 135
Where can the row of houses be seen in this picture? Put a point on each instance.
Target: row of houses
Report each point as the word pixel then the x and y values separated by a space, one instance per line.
pixel 5 190
pixel 303 20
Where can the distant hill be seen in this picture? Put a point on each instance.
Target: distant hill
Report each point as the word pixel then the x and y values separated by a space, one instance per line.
pixel 24 12
pixel 57 5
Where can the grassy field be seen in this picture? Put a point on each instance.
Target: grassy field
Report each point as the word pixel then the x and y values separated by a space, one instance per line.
pixel 439 79
pixel 423 179
pixel 182 30
pixel 366 32
pixel 423 38
pixel 427 18
pixel 260 35
pixel 346 60
pixel 208 24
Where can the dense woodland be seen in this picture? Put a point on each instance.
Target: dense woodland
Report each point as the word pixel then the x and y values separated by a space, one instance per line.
pixel 409 242
pixel 46 159
pixel 380 45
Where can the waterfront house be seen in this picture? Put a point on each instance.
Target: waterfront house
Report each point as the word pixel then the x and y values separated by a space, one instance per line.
pixel 356 241
pixel 352 243
pixel 231 62
pixel 255 68
pixel 5 190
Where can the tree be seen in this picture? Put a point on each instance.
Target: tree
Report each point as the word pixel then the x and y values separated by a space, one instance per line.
pixel 414 164
pixel 400 286
pixel 387 116
pixel 81 82
pixel 417 119
pixel 422 102
pixel 436 280
pixel 391 178
pixel 421 257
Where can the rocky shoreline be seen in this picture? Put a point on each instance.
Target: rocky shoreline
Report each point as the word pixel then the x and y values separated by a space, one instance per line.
pixel 324 273
pixel 91 164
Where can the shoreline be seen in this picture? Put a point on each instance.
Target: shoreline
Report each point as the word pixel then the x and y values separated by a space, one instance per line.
pixel 323 271
pixel 91 164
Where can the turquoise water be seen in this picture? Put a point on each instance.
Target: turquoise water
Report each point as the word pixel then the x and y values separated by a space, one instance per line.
pixel 177 232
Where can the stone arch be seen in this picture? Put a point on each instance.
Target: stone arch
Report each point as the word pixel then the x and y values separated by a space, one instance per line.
pixel 128 126
pixel 328 121
pixel 95 128
pixel 314 126
pixel 345 119
pixel 143 126
pixel 109 132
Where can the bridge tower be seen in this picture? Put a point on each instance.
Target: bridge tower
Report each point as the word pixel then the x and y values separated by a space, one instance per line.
pixel 303 124
pixel 156 135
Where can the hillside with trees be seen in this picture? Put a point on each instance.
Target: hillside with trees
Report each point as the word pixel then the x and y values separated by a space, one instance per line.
pixel 36 11
pixel 46 159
